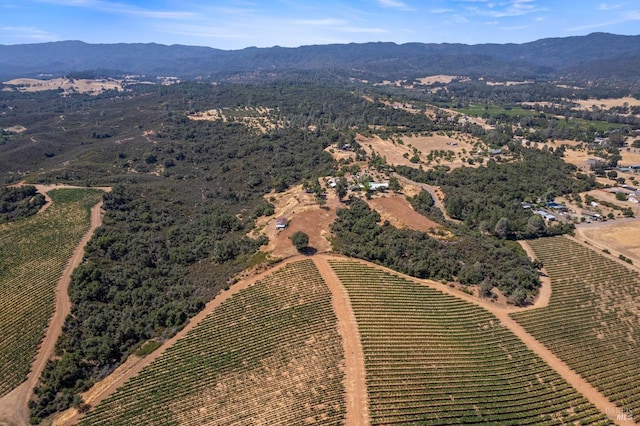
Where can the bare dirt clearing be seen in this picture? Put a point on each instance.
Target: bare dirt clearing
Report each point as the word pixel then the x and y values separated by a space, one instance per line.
pixel 397 210
pixel 621 236
pixel 303 214
pixel 92 87
pixel 607 103
pixel 258 118
pixel 400 154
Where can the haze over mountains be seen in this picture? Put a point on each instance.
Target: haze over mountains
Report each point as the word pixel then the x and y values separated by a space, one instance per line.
pixel 597 55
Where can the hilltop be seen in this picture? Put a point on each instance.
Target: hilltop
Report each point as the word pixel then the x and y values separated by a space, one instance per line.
pixel 582 56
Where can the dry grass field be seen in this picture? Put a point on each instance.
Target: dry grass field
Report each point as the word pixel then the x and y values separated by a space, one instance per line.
pixel 607 103
pixel 401 153
pixel 92 87
pixel 620 236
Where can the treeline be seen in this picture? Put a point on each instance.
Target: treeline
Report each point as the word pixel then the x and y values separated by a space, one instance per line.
pixel 472 258
pixel 490 198
pixel 19 202
pixel 174 234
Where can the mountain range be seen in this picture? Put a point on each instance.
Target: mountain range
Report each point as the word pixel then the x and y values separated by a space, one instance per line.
pixel 597 55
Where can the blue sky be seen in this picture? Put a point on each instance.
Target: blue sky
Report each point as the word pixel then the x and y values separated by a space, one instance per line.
pixel 242 23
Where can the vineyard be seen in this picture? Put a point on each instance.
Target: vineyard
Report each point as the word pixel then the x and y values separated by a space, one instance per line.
pixel 593 318
pixel 269 354
pixel 431 358
pixel 33 254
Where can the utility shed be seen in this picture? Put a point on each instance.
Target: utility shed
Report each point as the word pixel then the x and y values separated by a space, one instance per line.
pixel 281 223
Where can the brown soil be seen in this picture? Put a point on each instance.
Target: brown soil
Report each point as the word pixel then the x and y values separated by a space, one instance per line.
pixel 397 210
pixel 92 87
pixel 607 103
pixel 436 194
pixel 304 214
pixel 131 368
pixel 544 294
pixel 13 406
pixel 394 152
pixel 355 384
pixel 502 313
pixel 621 236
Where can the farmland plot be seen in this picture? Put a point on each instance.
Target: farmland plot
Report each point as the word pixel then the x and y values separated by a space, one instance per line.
pixel 269 354
pixel 33 254
pixel 592 321
pixel 431 358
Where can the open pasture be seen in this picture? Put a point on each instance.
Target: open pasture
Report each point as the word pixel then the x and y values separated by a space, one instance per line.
pixel 33 254
pixel 592 321
pixel 269 354
pixel 431 358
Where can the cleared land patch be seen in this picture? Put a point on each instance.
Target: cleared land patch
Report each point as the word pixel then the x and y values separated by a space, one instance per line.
pixel 431 150
pixel 592 321
pixel 261 119
pixel 270 354
pixel 399 212
pixel 431 358
pixel 618 237
pixel 65 85
pixel 33 254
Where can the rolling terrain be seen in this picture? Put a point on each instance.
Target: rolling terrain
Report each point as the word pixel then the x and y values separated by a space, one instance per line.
pixel 434 185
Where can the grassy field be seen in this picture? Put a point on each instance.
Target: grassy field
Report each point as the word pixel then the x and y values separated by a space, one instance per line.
pixel 593 318
pixel 271 354
pixel 33 254
pixel 431 358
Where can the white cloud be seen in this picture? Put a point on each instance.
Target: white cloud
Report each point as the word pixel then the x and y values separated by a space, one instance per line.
pixel 394 4
pixel 123 9
pixel 607 6
pixel 630 16
pixel 28 33
pixel 503 9
pixel 442 10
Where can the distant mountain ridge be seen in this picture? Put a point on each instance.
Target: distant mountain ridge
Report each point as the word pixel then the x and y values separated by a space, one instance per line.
pixel 580 56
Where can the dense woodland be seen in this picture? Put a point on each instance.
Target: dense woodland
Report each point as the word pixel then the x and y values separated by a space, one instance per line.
pixel 490 198
pixel 19 202
pixel 470 257
pixel 186 193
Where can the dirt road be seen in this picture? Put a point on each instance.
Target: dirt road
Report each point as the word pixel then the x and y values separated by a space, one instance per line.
pixel 13 406
pixel 355 384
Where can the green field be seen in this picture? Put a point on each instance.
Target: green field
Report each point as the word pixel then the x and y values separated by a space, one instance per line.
pixel 33 254
pixel 431 358
pixel 593 318
pixel 271 354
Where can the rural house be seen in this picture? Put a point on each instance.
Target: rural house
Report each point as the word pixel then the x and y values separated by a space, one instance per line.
pixel 281 223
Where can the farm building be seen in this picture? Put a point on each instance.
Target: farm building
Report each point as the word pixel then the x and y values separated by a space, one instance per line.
pixel 376 186
pixel 547 216
pixel 556 206
pixel 281 223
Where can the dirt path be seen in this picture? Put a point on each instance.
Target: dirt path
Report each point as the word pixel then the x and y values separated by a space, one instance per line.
pixel 355 384
pixel 544 294
pixel 13 406
pixel 123 373
pixel 436 199
pixel 502 313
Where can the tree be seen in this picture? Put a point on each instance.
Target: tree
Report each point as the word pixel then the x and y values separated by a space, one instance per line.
pixel 621 196
pixel 394 185
pixel 341 188
pixel 503 228
pixel 300 240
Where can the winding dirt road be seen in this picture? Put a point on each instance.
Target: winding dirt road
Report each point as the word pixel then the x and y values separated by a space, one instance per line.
pixel 14 410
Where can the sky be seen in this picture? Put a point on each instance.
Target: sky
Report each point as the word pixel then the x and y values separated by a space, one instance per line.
pixel 231 25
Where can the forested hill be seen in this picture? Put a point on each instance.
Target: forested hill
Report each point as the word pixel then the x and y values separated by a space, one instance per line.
pixel 581 56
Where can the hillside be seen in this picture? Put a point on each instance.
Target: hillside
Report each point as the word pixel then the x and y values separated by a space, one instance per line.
pixel 546 58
